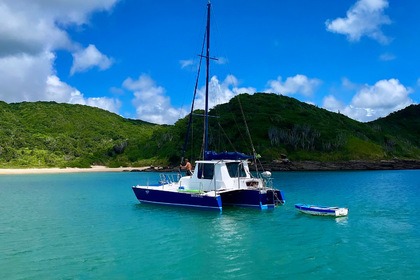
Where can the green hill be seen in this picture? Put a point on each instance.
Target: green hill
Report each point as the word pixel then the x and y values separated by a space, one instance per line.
pixel 46 134
pixel 401 131
pixel 282 125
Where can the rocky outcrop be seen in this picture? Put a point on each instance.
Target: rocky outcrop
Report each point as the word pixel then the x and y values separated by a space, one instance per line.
pixel 395 164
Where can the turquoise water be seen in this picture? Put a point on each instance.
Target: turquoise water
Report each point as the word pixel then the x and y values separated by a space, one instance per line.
pixel 90 226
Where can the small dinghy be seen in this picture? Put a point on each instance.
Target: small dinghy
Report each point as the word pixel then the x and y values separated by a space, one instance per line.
pixel 322 210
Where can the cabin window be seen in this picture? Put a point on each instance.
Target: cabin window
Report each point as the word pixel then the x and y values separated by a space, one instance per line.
pixel 236 169
pixel 205 171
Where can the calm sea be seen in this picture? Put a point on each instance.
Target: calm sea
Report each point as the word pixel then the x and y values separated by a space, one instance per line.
pixel 90 226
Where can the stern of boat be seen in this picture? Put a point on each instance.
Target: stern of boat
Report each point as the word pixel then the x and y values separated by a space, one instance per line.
pixel 254 198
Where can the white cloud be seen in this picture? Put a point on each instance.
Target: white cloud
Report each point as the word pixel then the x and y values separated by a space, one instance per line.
pixel 296 84
pixel 385 94
pixel 151 102
pixel 386 57
pixel 372 102
pixel 365 18
pixel 221 92
pixel 31 78
pixel 36 26
pixel 62 11
pixel 61 92
pixel 88 58
pixel 153 105
pixel 333 104
pixel 26 28
pixel 23 77
pixel 30 33
pixel 186 63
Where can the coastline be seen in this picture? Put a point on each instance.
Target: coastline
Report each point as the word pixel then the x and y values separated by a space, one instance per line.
pixel 56 170
pixel 395 164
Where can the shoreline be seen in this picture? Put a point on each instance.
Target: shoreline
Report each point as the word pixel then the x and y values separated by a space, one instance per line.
pixel 57 170
pixel 351 165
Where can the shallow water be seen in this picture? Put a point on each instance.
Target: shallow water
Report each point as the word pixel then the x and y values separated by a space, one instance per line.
pixel 90 226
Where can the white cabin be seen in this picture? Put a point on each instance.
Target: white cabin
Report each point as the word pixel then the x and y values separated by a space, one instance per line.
pixel 219 175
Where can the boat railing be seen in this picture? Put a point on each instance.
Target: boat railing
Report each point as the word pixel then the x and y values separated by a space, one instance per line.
pixel 268 182
pixel 168 178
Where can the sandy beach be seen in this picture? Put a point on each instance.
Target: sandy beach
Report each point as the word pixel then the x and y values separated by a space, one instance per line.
pixel 7 171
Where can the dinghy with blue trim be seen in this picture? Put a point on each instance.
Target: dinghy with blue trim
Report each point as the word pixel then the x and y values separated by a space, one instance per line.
pixel 322 210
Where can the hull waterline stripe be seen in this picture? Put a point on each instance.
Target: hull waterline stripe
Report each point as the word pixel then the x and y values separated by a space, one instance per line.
pixel 180 204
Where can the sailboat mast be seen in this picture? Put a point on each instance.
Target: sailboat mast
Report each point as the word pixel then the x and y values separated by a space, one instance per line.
pixel 206 113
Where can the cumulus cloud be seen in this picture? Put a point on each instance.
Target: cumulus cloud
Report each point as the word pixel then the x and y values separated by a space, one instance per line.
pixel 35 26
pixel 385 94
pixel 292 85
pixel 151 102
pixel 372 102
pixel 221 91
pixel 88 58
pixel 23 77
pixel 30 34
pixel 25 28
pixel 153 105
pixel 364 18
pixel 58 91
pixel 31 78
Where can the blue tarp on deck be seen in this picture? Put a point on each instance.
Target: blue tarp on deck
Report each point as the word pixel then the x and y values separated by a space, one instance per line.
pixel 211 155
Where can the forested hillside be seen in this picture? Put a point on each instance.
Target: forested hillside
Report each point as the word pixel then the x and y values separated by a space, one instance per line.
pixel 46 134
pixel 401 131
pixel 281 125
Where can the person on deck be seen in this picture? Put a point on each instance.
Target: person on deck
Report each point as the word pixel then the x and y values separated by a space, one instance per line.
pixel 187 167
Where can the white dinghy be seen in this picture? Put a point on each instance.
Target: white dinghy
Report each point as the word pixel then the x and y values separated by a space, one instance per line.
pixel 322 210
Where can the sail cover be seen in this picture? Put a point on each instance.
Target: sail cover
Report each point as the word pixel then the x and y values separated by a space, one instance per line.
pixel 212 155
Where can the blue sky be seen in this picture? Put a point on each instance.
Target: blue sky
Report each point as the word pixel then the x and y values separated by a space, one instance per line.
pixel 138 58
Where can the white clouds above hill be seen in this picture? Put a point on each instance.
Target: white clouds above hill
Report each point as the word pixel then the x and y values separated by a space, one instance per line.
pixel 292 85
pixel 365 18
pixel 30 33
pixel 154 105
pixel 151 102
pixel 369 102
pixel 58 91
pixel 372 102
pixel 34 32
pixel 23 77
pixel 221 91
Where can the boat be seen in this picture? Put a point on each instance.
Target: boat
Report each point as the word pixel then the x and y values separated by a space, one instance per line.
pixel 219 179
pixel 322 210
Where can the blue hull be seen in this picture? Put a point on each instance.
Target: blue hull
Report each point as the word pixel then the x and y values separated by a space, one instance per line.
pixel 253 198
pixel 178 198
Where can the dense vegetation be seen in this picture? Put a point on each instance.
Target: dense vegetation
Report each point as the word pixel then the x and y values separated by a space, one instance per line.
pixel 46 134
pixel 282 125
